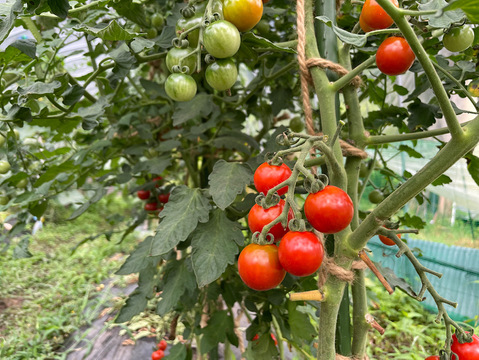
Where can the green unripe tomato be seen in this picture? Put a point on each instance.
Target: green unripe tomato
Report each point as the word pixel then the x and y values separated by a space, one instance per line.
pixel 263 27
pixel 175 54
pixel 363 170
pixel 376 196
pixel 22 184
pixel 180 87
pixel 152 33
pixel 458 38
pixel 185 24
pixel 222 74
pixel 2 140
pixel 4 167
pixel 157 20
pixel 296 124
pixel 136 28
pixel 221 39
pixel 4 200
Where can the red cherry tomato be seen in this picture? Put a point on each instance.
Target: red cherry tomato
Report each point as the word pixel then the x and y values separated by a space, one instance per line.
pixel 434 357
pixel 157 180
pixel 158 355
pixel 259 267
pixel 300 253
pixel 162 345
pixel 329 210
pixel 394 56
pixel 163 198
pixel 268 176
pixel 466 351
pixel 387 241
pixel 259 217
pixel 143 194
pixel 373 16
pixel 153 206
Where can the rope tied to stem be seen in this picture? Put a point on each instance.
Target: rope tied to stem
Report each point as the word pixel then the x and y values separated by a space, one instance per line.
pixel 338 69
pixel 329 267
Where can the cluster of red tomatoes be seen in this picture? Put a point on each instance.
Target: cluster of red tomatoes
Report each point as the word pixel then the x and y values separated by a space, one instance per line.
pixel 221 40
pixel 466 351
pixel 394 56
pixel 160 353
pixel 154 203
pixel 300 253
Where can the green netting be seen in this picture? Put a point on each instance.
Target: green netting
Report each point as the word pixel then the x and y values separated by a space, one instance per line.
pixel 459 266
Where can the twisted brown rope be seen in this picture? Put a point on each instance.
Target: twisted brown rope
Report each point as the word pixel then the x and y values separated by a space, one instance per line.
pixel 329 267
pixel 338 69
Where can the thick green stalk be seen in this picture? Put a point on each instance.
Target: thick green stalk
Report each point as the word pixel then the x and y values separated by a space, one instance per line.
pixel 360 309
pixel 444 159
pixel 443 100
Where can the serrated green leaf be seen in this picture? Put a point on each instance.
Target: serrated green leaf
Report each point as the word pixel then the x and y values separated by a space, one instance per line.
pixel 442 19
pixel 139 259
pixel 469 7
pixel 179 279
pixel 357 40
pixel 138 299
pixel 220 320
pixel 442 180
pixel 177 352
pixel 39 88
pixel 25 46
pixel 410 151
pixel 166 36
pixel 21 250
pixel 59 7
pixel 421 115
pixel 132 11
pixel 395 281
pixel 201 105
pixel 73 94
pixel 112 32
pixel 263 348
pixel 99 193
pixel 153 166
pixel 414 222
pixel 180 216
pixel 299 322
pixel 473 166
pixel 227 180
pixel 140 44
pixel 215 245
pixel 258 42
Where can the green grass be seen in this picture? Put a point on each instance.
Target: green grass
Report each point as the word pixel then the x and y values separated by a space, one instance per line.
pixel 47 293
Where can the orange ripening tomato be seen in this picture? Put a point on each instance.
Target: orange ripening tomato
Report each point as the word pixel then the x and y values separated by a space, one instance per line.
pixel 244 14
pixel 373 16
pixel 387 241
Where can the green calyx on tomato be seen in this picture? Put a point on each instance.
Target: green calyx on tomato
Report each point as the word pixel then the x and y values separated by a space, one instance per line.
pixel 180 87
pixel 394 56
pixel 244 14
pixel 300 253
pixel 458 38
pixel 268 176
pixel 330 210
pixel 259 267
pixel 176 54
pixel 221 39
pixel 466 351
pixel 259 217
pixel 183 25
pixel 4 167
pixel 222 74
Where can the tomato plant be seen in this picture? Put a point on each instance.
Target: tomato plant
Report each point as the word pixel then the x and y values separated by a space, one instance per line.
pixel 4 200
pixel 22 184
pixel 256 337
pixel 157 20
pixel 268 176
pixel 376 196
pixel 180 87
pixel 143 194
pixel 259 267
pixel 244 14
pixel 221 39
pixel 394 56
pixel 222 74
pixel 158 355
pixel 329 210
pixel 4 166
pixel 300 253
pixel 151 206
pixel 163 198
pixel 466 351
pixel 434 357
pixel 458 38
pixel 184 24
pixel 373 16
pixel 259 217
pixel 176 54
pixel 2 140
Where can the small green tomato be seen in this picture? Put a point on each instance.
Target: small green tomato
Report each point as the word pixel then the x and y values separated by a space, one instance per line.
pixel 180 87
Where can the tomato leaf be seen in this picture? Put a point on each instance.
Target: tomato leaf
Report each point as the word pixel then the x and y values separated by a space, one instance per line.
pixel 227 180
pixel 99 193
pixel 473 166
pixel 138 299
pixel 263 348
pixel 395 281
pixel 112 32
pixel 470 7
pixel 258 42
pixel 442 19
pixel 59 7
pixel 442 180
pixel 422 115
pixel 211 336
pixel 8 13
pixel 215 245
pixel 177 280
pixel 357 40
pixel 139 259
pixel 21 250
pixel 177 352
pixel 200 105
pixel 414 222
pixel 185 208
pixel 410 151
pixel 300 323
